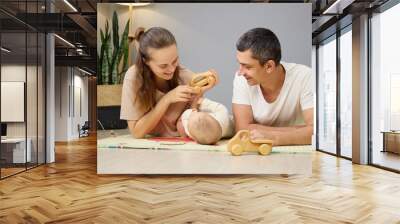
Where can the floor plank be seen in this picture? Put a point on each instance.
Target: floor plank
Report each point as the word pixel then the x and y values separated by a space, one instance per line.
pixel 70 191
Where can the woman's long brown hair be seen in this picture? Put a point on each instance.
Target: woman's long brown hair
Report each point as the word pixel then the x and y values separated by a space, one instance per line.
pixel 155 38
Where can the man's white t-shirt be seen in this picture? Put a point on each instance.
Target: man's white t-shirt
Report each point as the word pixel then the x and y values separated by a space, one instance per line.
pixel 296 95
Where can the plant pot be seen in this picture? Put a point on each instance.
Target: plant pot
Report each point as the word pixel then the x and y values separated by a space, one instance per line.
pixel 109 95
pixel 109 107
pixel 108 118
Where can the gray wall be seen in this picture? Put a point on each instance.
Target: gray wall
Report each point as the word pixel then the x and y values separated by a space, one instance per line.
pixel 207 32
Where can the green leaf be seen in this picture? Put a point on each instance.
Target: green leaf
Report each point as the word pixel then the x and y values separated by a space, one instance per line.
pixel 113 52
pixel 115 30
pixel 102 68
pixel 125 53
pixel 99 77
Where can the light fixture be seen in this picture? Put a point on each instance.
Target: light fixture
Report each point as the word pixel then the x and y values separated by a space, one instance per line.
pixel 70 5
pixel 84 71
pixel 337 7
pixel 79 44
pixel 79 51
pixel 5 50
pixel 64 40
pixel 135 4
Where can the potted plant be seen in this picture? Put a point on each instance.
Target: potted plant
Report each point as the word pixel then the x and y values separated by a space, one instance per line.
pixel 112 63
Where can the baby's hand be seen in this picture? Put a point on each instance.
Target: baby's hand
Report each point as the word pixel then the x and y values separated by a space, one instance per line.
pixel 196 102
pixel 180 129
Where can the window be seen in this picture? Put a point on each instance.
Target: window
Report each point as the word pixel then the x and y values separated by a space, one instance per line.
pixel 327 95
pixel 385 88
pixel 346 92
pixel 22 75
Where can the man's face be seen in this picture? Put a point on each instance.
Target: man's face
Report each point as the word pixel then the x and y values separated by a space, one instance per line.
pixel 250 68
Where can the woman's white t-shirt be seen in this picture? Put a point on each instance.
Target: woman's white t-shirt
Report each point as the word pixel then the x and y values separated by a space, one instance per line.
pixel 296 95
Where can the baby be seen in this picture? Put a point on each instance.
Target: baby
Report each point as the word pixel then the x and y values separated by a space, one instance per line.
pixel 208 124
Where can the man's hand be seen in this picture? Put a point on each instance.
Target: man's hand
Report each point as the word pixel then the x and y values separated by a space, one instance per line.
pixel 292 135
pixel 256 133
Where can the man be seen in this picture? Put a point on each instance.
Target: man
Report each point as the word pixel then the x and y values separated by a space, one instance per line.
pixel 272 99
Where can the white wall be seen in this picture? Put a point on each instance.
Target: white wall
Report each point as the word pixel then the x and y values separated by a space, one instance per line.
pixel 33 126
pixel 12 73
pixel 67 117
pixel 79 117
pixel 61 103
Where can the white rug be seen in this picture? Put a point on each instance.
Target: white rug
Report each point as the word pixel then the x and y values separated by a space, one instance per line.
pixel 128 142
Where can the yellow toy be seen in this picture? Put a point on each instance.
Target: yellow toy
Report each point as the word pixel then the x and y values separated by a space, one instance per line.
pixel 241 142
pixel 202 82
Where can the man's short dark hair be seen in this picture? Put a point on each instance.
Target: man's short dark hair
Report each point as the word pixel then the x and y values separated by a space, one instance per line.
pixel 263 44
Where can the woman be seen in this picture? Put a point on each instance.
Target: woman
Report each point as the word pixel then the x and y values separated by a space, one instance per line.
pixel 155 90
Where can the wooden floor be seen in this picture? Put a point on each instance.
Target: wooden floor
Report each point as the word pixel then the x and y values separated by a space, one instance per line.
pixel 5 172
pixel 70 191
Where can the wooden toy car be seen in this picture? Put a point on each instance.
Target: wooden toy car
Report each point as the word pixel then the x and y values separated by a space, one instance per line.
pixel 241 142
pixel 205 80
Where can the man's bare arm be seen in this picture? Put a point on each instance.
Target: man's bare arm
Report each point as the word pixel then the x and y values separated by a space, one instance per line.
pixel 243 116
pixel 271 128
pixel 296 135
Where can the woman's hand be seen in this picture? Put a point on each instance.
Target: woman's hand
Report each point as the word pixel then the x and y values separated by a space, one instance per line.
pixel 181 93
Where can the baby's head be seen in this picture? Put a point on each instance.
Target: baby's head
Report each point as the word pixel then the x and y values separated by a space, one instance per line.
pixel 203 128
pixel 200 126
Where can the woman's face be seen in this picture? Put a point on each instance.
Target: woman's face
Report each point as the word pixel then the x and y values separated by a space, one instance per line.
pixel 163 62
